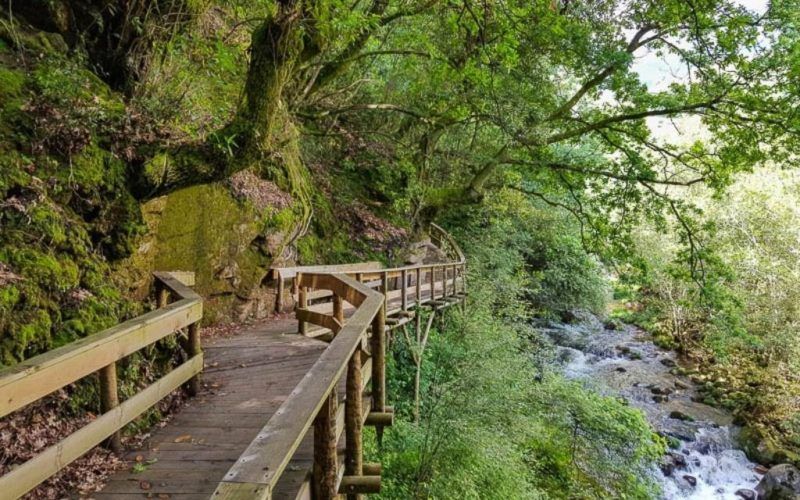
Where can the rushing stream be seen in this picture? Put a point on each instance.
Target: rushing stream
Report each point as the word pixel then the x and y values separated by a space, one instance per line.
pixel 625 363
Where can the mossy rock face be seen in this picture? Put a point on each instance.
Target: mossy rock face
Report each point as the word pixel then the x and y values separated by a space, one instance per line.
pixel 64 216
pixel 228 244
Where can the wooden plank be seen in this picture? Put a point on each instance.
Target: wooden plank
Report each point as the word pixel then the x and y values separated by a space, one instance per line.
pixel 37 377
pixel 28 475
pixel 241 491
pixel 185 277
pixel 175 285
pixel 353 292
pixel 319 319
pixel 291 272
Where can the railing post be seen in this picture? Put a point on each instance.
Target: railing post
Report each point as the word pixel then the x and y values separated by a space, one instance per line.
pixel 404 301
pixel 444 281
pixel 419 286
pixel 302 302
pixel 378 348
pixel 279 298
pixel 338 309
pixel 162 295
pixel 109 399
pixel 325 460
pixel 194 348
pixel 353 420
pixel 385 291
pixel 432 273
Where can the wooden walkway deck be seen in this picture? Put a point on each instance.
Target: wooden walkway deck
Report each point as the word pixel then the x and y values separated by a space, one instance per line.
pixel 247 376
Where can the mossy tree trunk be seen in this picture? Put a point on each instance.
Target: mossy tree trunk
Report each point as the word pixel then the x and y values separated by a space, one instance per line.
pixel 263 136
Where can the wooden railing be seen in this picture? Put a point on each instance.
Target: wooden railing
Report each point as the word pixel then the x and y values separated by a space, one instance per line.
pixel 314 402
pixel 379 300
pixel 39 376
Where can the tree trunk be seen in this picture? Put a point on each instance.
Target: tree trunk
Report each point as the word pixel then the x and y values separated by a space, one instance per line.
pixel 263 136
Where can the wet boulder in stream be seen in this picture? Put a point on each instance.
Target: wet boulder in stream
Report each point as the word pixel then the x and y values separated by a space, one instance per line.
pixel 782 482
pixel 746 494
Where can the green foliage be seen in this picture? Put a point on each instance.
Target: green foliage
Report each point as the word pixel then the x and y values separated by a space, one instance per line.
pixel 743 321
pixel 543 245
pixel 496 421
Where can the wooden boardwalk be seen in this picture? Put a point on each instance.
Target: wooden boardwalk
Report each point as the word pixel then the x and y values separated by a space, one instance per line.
pixel 277 410
pixel 247 376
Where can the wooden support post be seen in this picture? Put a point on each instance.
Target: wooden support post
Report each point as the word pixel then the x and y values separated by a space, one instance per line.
pixel 162 295
pixel 279 298
pixel 360 484
pixel 378 348
pixel 325 460
pixel 464 287
pixel 379 362
pixel 455 291
pixel 372 469
pixel 419 286
pixel 404 300
pixel 385 291
pixel 302 303
pixel 109 399
pixel 338 309
pixel 194 348
pixel 444 281
pixel 353 461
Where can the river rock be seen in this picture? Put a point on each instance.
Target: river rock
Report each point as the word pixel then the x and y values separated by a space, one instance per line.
pixel 681 386
pixel 660 398
pixel 670 462
pixel 782 482
pixel 678 459
pixel 620 369
pixel 668 362
pixel 666 391
pixel 691 480
pixel 746 494
pixel 679 415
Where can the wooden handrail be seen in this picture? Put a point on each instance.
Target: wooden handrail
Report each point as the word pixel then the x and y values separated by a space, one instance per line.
pixel 41 375
pixel 256 472
pixel 451 242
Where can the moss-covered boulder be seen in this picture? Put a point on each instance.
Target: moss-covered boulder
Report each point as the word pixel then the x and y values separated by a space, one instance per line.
pixel 228 237
pixel 765 449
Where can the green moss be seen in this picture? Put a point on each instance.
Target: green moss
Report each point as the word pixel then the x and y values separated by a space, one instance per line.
pixel 44 269
pixel 11 83
pixel 763 448
pixel 23 38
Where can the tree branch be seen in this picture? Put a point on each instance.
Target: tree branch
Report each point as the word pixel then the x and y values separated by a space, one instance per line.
pixel 635 43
